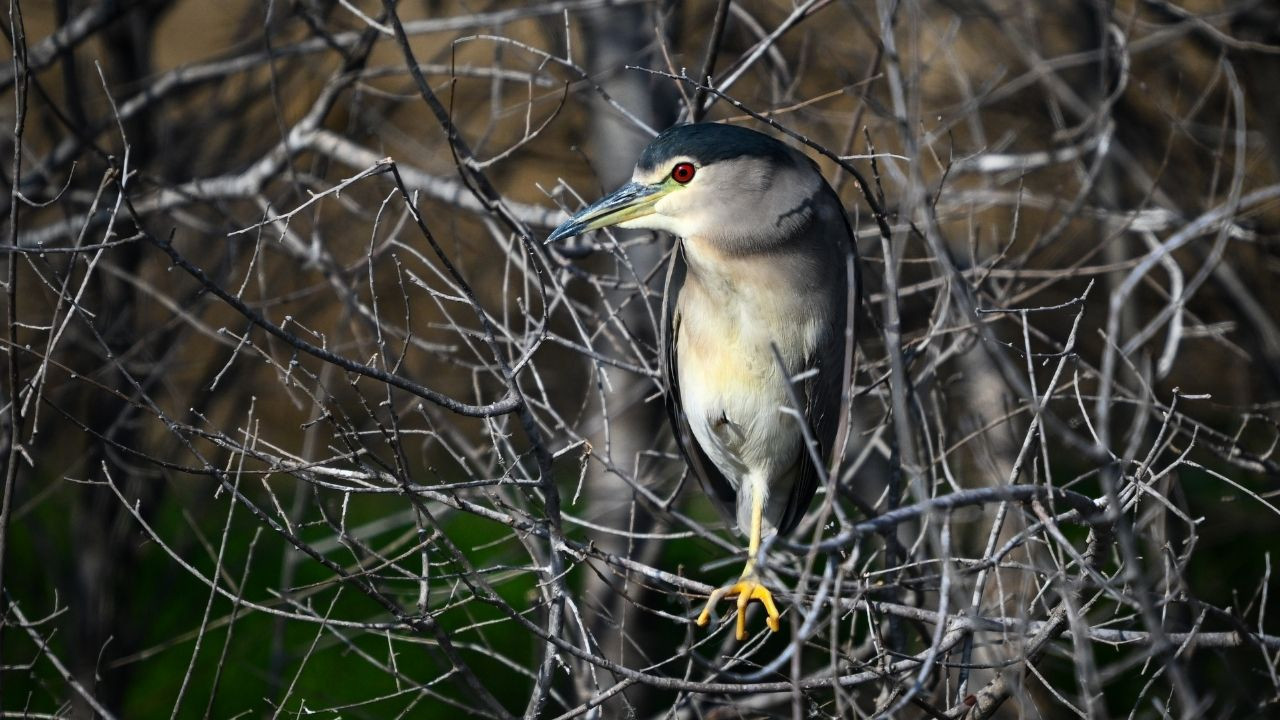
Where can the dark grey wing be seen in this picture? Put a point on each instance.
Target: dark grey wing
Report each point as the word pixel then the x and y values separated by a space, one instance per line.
pixel 821 394
pixel 709 477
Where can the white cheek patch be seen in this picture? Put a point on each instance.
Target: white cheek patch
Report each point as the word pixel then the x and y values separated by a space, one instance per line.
pixel 701 213
pixel 674 203
pixel 656 221
pixel 677 212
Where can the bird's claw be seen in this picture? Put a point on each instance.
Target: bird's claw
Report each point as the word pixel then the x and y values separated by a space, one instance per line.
pixel 745 590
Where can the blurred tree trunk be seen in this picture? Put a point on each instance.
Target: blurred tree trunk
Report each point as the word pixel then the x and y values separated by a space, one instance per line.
pixel 615 38
pixel 107 606
pixel 1260 75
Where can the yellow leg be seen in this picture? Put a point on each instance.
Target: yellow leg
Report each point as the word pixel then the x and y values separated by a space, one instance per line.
pixel 749 587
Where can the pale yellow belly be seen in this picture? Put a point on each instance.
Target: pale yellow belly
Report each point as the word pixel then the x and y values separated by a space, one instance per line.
pixel 734 389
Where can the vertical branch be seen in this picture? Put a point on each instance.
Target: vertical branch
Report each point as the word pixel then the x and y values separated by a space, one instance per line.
pixel 902 459
pixel 18 39
pixel 696 108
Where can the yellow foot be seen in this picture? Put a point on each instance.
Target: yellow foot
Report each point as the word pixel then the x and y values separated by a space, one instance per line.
pixel 745 590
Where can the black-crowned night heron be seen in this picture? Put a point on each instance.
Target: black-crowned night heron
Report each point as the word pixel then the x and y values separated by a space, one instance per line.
pixel 761 266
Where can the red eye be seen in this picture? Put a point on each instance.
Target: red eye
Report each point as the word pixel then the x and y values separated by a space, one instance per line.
pixel 683 172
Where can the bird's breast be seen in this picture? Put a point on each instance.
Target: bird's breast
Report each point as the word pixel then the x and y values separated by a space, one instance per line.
pixel 731 382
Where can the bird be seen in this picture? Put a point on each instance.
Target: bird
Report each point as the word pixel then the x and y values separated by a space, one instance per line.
pixel 758 295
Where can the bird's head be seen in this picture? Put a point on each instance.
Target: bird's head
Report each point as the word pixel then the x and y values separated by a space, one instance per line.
pixel 723 183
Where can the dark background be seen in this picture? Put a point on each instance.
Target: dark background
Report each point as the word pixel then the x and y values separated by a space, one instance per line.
pixel 203 518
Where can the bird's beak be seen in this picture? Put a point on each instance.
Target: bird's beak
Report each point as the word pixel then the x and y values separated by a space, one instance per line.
pixel 629 202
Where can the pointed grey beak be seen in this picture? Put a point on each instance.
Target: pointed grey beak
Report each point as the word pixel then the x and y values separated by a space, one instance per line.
pixel 629 202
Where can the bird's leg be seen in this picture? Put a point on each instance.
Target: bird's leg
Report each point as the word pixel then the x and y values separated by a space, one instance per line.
pixel 749 587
